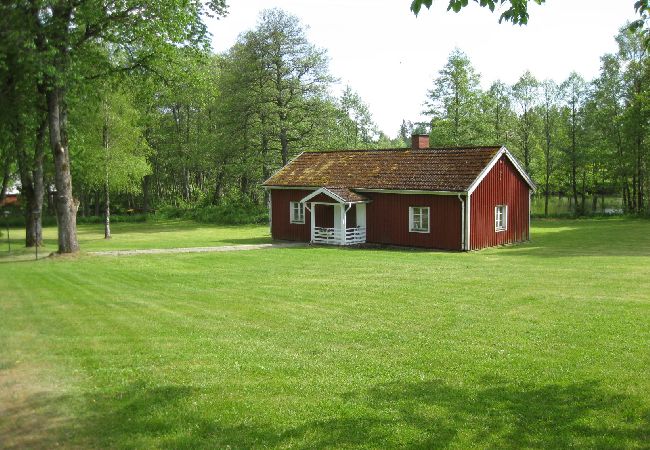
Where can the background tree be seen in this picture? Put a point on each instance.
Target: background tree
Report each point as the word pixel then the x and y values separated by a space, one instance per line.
pixel 452 104
pixel 65 33
pixel 360 130
pixel 499 117
pixel 525 96
pixel 549 111
pixel 636 77
pixel 114 155
pixel 606 109
pixel 575 94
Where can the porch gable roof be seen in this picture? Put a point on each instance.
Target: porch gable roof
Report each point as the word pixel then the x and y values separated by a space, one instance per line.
pixel 338 194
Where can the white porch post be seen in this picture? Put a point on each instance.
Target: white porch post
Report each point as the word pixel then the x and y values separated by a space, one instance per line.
pixel 312 214
pixel 343 223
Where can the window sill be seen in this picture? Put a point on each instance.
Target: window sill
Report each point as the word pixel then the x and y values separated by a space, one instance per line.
pixel 420 231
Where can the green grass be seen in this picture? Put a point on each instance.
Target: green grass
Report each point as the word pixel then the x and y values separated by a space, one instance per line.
pixel 543 345
pixel 128 236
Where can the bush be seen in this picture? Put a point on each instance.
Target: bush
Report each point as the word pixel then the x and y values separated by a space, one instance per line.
pixel 228 213
pixel 237 212
pixel 117 218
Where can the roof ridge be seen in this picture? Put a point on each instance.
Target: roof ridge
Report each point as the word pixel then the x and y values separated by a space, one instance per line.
pixel 406 149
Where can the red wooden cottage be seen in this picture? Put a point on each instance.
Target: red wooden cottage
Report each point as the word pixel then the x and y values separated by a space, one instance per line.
pixel 443 198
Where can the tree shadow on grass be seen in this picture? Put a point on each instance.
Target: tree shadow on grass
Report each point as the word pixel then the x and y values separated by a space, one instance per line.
pixel 427 414
pixel 436 415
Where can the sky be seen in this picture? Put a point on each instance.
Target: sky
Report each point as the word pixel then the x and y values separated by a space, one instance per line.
pixel 390 57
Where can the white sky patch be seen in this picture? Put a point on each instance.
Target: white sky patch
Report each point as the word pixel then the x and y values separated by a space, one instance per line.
pixel 390 57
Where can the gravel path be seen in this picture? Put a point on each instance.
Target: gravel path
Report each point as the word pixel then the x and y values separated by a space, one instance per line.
pixel 224 248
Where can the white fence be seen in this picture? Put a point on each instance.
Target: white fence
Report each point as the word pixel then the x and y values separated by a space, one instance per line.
pixel 334 236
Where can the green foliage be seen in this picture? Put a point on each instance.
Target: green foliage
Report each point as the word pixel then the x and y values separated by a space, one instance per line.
pixel 108 143
pixel 642 7
pixel 357 124
pixel 453 103
pixel 583 139
pixel 236 212
pixel 516 12
pixel 525 95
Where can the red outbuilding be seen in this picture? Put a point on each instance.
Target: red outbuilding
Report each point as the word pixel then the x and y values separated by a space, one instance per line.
pixel 444 198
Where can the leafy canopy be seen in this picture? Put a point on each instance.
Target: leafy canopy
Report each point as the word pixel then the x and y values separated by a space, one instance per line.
pixel 516 13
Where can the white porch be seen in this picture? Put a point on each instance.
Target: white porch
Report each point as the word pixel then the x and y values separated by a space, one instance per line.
pixel 348 224
pixel 338 236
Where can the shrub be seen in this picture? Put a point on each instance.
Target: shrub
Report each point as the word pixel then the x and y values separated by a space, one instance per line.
pixel 227 213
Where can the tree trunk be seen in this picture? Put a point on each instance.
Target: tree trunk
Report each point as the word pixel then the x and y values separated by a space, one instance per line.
pixel 546 195
pixel 66 205
pixel 284 143
pixel 633 196
pixel 218 188
pixel 146 183
pixel 574 185
pixel 39 184
pixel 96 203
pixel 107 194
pixel 583 194
pixel 266 171
pixel 5 179
pixel 26 182
pixel 639 176
pixel 84 203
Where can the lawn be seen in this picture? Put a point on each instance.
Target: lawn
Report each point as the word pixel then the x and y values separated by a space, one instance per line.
pixel 128 236
pixel 542 345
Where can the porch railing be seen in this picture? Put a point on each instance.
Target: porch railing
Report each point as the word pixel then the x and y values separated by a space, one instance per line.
pixel 334 236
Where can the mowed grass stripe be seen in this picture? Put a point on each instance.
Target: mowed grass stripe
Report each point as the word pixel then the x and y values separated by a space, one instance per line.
pixel 539 345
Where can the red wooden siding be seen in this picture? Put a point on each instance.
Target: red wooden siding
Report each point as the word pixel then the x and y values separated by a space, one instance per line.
pixel 503 185
pixel 322 198
pixel 281 226
pixel 387 220
pixel 351 217
pixel 324 216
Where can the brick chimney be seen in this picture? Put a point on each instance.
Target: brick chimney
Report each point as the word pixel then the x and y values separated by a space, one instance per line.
pixel 419 141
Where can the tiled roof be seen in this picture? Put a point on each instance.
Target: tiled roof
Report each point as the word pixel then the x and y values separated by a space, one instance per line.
pixel 346 194
pixel 436 169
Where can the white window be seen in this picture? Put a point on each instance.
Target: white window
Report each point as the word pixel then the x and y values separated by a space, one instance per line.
pixel 297 212
pixel 500 218
pixel 418 219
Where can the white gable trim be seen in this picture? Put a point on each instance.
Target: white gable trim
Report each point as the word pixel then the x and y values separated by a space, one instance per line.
pixel 330 194
pixel 502 151
pixel 325 191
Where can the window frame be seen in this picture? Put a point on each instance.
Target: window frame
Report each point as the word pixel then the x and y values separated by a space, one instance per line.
pixel 412 215
pixel 300 220
pixel 504 218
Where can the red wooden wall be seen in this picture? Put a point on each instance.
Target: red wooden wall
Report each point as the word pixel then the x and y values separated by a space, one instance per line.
pixel 503 185
pixel 387 219
pixel 281 226
pixel 324 216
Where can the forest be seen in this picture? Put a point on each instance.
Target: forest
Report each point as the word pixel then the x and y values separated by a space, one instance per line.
pixel 140 116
